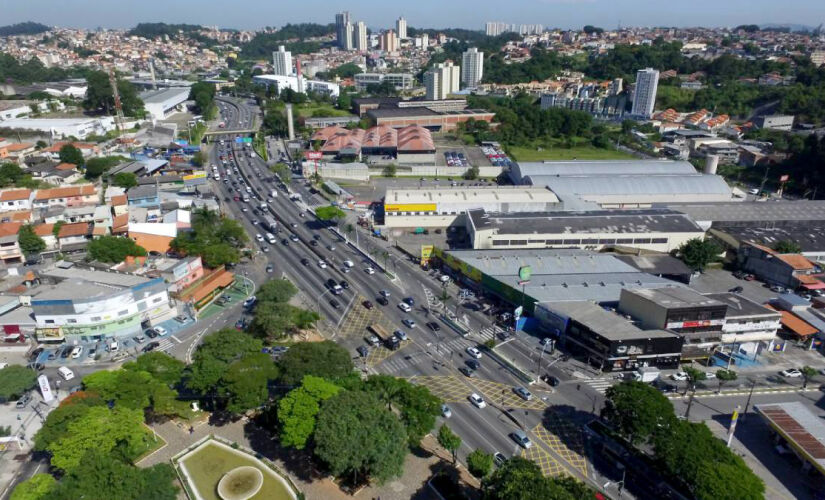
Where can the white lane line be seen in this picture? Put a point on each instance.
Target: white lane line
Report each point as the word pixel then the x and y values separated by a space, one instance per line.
pixel 176 339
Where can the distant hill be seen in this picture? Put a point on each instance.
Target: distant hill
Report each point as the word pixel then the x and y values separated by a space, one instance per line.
pixel 154 30
pixel 787 27
pixel 27 28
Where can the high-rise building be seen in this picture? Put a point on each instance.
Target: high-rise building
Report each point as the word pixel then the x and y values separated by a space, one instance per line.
pixel 616 87
pixel 359 37
pixel 442 80
pixel 644 97
pixel 472 67
pixel 388 41
pixel 341 21
pixel 401 28
pixel 282 62
pixel 349 42
pixel 494 28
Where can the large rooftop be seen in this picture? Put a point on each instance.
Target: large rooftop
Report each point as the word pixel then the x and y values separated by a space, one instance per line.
pixel 582 223
pixel 495 194
pixel 810 235
pixel 739 306
pixel 800 427
pixel 607 324
pixel 676 298
pixel 604 167
pixel 161 96
pixel 601 187
pixel 774 211
pixel 103 277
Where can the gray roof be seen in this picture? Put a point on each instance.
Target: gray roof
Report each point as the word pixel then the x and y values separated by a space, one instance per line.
pixel 656 264
pixel 742 307
pixel 141 192
pixel 120 280
pixel 583 223
pixel 605 323
pixel 165 95
pixel 605 167
pixel 677 297
pixel 799 210
pixel 809 235
pixel 642 185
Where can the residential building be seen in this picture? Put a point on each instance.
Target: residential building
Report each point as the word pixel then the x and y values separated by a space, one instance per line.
pixel 73 237
pixel 359 36
pixel 282 62
pixel 644 95
pixel 401 28
pixel 616 86
pixel 12 200
pixel 342 19
pixel 442 80
pixel 10 251
pixel 281 82
pixel 472 67
pixel 775 122
pixel 495 28
pixel 401 81
pixel 16 152
pixel 180 273
pixel 818 57
pixel 388 41
pixel 72 196
pixel 59 128
pixel 153 236
pixel 46 233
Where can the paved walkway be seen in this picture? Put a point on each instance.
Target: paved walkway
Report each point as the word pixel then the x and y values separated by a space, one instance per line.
pixel 417 468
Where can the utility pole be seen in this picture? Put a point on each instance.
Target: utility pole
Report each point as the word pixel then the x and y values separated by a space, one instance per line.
pixel 118 107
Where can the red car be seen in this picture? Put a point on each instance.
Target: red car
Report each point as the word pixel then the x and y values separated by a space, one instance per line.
pixel 367 304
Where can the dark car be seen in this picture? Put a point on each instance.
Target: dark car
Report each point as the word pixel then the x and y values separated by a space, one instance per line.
pixel 344 284
pixel 313 243
pixel 331 283
pixel 151 346
pixel 473 363
pixel 410 301
pixel 551 380
pixel 334 303
pixel 305 262
pixel 240 324
pixel 363 351
pixel 468 372
pixel 382 300
pixel 432 325
pixel 65 352
pixel 36 353
pixel 53 355
pixel 151 333
pixel 736 289
pixel 285 242
pixel 367 304
pixel 504 335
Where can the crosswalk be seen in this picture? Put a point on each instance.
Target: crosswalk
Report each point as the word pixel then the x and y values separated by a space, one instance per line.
pixel 599 384
pixel 166 343
pixel 441 351
pixel 489 333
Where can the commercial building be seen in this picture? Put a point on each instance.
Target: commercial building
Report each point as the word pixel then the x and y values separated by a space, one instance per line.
pixel 401 28
pixel 556 275
pixel 61 128
pixel 448 207
pixel 644 95
pixel 472 67
pixel 388 41
pixel 409 145
pixel 161 103
pixel 748 325
pixel 359 36
pixel 697 318
pixel 342 34
pixel 786 269
pixel 330 121
pixel 401 81
pixel 427 118
pixel 775 122
pixel 798 429
pixel 649 229
pixel 442 80
pixel 300 85
pixel 282 62
pixel 361 105
pixel 608 340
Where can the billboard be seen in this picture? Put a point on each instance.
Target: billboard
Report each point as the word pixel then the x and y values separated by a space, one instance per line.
pixel 410 207
pixel 426 253
pixel 314 155
pixel 195 179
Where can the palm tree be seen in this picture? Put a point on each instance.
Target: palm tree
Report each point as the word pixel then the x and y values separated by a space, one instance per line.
pixel 807 373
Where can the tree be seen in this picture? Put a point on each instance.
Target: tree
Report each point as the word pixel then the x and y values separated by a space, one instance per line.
pixel 297 411
pixel 246 382
pixel 199 159
pixel 161 366
pixel 479 463
pixel 125 180
pixel 697 253
pixel 723 376
pixel 807 373
pixel 637 410
pixel 449 440
pixel 522 479
pixel 323 359
pixel 727 482
pixel 471 173
pixel 693 376
pixel 279 290
pixel 213 357
pixel 29 241
pixel 99 477
pixel 38 487
pixel 277 319
pixel 114 249
pixel 787 246
pixel 330 213
pixel 95 167
pixel 70 154
pixel 126 388
pixel 283 171
pixel 356 437
pixel 390 170
pixel 214 237
pixel 100 98
pixel 15 380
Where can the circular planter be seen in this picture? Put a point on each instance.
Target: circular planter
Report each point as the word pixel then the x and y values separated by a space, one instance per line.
pixel 240 483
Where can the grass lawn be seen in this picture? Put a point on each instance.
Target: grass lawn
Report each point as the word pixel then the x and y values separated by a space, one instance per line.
pixel 579 152
pixel 206 466
pixel 313 109
pixel 153 445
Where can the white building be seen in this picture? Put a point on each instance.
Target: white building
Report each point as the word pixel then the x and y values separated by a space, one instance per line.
pixel 401 28
pixel 494 28
pixel 14 108
pixel 282 82
pixel 359 37
pixel 422 42
pixel 162 103
pixel 472 67
pixel 282 62
pixel 442 80
pixel 59 128
pixel 644 97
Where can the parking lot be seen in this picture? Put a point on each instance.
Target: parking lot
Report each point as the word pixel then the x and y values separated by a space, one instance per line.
pixel 716 280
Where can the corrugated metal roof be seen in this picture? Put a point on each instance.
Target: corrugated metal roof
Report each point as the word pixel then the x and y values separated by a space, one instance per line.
pixel 642 185
pixel 605 167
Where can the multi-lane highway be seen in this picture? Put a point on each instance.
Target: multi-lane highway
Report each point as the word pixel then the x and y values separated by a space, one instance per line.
pixel 429 357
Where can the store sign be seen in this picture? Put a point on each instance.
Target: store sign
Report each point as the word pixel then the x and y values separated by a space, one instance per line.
pixel 696 324
pixel 410 207
pixel 195 179
pixel 524 275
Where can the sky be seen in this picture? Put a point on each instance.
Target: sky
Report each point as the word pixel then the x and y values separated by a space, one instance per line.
pixel 252 14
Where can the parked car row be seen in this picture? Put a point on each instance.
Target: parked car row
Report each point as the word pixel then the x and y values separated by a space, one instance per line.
pixel 456 159
pixel 497 156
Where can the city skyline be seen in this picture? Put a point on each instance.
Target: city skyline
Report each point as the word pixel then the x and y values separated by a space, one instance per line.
pixel 564 14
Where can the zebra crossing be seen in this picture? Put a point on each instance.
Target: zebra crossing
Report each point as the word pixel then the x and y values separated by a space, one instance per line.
pixel 166 343
pixel 600 385
pixel 398 363
pixel 489 333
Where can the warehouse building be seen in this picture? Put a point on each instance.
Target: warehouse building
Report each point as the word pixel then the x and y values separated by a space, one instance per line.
pixel 163 102
pixel 650 229
pixel 446 207
pixel 427 118
pixel 410 145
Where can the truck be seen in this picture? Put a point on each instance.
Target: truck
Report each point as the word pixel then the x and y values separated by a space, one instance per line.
pixel 645 374
pixel 269 223
pixel 389 341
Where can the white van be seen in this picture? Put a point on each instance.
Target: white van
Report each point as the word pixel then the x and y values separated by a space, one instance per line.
pixel 271 238
pixel 273 194
pixel 65 373
pixel 264 206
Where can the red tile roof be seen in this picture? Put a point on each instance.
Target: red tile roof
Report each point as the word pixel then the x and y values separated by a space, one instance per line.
pixel 9 228
pixel 65 192
pixel 78 229
pixel 15 194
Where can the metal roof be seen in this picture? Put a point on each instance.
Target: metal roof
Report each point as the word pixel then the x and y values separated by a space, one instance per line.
pixel 641 185
pixel 798 210
pixel 802 429
pixel 605 167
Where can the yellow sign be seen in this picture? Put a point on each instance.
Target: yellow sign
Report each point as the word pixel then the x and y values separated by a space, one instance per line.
pixel 410 207
pixel 194 175
pixel 426 253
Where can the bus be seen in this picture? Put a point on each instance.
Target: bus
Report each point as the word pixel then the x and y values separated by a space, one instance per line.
pixel 384 336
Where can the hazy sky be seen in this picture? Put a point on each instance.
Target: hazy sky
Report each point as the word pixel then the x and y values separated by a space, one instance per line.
pixel 250 14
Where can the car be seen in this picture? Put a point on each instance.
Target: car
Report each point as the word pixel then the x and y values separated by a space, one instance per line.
pixel 382 301
pixel 409 301
pixel 432 325
pixel 322 264
pixel 472 351
pixel 23 401
pixel 293 238
pixel 523 393
pixel 384 293
pixel 369 270
pixel 473 363
pixel 362 351
pixel 736 289
pixel 710 375
pixel 250 302
pixel 404 307
pixel 503 335
pixel 348 263
pixel 679 376
pixel 344 284
pixel 372 340
pixel 551 380
pixel 151 346
pixel 151 333
pixel 53 355
pixel 791 373
pixel 181 318
pixel 305 262
pixel 545 341
pixel 139 339
pixel 778 289
pixel 161 331
pixel 400 335
pixel 66 373
pixel 265 249
pixel 499 459
pixel 259 237
pixel 92 352
pixel 408 323
pixel 331 248
pixel 65 352
pixel 334 303
pixel 446 412
pixel 285 242
pixel 477 400
pixel 521 438
pixel 269 268
pixel 313 243
pixel 36 353
pixel 466 371
pixel 367 304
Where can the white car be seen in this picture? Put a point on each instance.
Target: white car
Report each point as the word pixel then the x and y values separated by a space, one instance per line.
pixel 477 400
pixel 709 375
pixel 77 351
pixel 369 270
pixel 349 263
pixel 446 412
pixel 161 331
pixel 322 264
pixel 679 376
pixel 472 351
pixel 404 307
pixel 791 373
pixel 259 237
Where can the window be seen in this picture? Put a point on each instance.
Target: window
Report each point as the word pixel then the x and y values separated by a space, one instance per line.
pixel 96 318
pixel 622 241
pixel 590 241
pixel 500 243
pixel 659 240
pixel 123 312
pixel 536 242
pixel 518 242
pixel 49 321
pixel 555 242
pixel 156 300
pixel 572 242
pixel 71 321
pixel 607 241
pixel 642 241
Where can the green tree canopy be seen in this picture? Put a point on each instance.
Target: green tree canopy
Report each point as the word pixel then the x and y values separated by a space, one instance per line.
pixel 99 477
pixel 415 404
pixel 330 213
pixel 449 440
pixel 787 246
pixel 522 479
pixel 95 167
pixel 357 437
pixel 114 249
pixel 246 382
pixel 99 95
pixel 479 463
pixel 274 320
pixel 637 410
pixel 15 380
pixel 278 290
pixel 297 410
pixel 214 356
pixel 161 366
pixel 70 154
pixel 29 241
pixel 323 359
pixel 214 237
pixel 697 253
pixel 38 487
pixel 125 180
